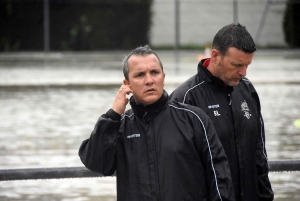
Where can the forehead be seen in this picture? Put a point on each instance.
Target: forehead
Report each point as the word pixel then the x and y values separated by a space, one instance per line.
pixel 233 54
pixel 138 62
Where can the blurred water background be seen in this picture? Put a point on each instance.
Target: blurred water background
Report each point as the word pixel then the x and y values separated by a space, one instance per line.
pixel 50 104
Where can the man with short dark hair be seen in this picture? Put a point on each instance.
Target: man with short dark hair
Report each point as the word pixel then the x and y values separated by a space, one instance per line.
pixel 221 89
pixel 160 149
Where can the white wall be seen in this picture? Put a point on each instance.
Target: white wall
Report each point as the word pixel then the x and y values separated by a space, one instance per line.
pixel 201 19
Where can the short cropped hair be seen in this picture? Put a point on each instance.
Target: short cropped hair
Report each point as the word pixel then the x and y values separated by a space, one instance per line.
pixel 233 35
pixel 140 51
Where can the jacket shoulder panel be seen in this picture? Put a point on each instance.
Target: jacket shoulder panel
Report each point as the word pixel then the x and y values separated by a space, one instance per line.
pixel 246 83
pixel 181 93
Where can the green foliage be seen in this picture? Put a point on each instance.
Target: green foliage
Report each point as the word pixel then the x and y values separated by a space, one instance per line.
pixel 75 24
pixel 291 23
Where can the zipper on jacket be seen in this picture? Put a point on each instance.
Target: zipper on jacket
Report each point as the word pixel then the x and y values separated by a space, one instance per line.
pixel 152 155
pixel 158 196
pixel 229 99
pixel 145 116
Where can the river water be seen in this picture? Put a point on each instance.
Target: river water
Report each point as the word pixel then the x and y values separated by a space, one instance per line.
pixel 49 105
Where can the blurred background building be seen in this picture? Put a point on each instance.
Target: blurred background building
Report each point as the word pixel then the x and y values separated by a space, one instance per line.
pixel 80 25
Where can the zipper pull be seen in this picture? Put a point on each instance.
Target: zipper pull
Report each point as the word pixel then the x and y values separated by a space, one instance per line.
pixel 229 99
pixel 144 117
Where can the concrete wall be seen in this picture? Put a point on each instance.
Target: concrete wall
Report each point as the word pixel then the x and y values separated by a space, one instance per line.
pixel 201 19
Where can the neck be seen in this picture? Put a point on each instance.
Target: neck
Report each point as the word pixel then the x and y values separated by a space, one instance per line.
pixel 209 66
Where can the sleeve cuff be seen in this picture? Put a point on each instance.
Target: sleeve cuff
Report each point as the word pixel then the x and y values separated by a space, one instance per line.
pixel 113 115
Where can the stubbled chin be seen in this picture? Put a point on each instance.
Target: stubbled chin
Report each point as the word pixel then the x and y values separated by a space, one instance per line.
pixel 233 83
pixel 150 99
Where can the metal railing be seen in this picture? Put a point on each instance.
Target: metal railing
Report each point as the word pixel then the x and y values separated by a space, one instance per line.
pixel 81 172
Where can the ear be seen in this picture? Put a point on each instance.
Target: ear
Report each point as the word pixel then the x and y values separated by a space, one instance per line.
pixel 164 78
pixel 125 82
pixel 215 56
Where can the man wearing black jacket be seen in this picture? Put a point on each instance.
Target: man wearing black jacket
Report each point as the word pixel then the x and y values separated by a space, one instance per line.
pixel 221 89
pixel 160 149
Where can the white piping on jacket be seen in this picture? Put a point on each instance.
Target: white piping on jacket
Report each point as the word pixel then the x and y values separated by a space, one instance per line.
pixel 262 139
pixel 211 161
pixel 189 90
pixel 125 115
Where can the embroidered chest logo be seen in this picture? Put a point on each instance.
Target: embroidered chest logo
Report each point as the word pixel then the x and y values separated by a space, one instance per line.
pixel 245 109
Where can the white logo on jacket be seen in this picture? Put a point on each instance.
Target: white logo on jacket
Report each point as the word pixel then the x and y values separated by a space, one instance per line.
pixel 216 113
pixel 245 109
pixel 213 106
pixel 133 136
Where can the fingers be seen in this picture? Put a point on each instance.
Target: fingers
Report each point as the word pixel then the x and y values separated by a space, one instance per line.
pixel 121 100
pixel 126 89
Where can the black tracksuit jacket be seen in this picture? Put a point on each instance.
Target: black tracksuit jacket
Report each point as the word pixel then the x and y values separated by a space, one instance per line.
pixel 235 112
pixel 165 151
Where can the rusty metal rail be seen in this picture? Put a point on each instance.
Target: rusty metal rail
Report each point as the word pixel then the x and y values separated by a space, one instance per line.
pixel 81 172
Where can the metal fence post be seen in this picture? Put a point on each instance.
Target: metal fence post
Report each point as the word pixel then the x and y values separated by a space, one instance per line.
pixel 177 35
pixel 46 27
pixel 235 11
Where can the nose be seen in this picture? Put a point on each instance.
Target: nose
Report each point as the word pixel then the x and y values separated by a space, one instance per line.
pixel 148 79
pixel 243 71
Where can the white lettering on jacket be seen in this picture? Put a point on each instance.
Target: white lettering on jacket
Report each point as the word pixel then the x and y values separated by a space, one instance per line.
pixel 213 106
pixel 133 136
pixel 216 113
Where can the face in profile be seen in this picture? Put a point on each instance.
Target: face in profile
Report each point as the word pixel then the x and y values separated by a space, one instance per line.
pixel 232 67
pixel 146 78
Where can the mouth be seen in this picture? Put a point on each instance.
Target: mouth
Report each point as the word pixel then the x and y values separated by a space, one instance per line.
pixel 150 90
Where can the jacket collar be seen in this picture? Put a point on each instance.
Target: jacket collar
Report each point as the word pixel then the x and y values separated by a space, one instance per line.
pixel 208 77
pixel 148 111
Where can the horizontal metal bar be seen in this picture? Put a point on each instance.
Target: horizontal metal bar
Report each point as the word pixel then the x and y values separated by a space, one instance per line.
pixel 284 165
pixel 81 172
pixel 46 173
